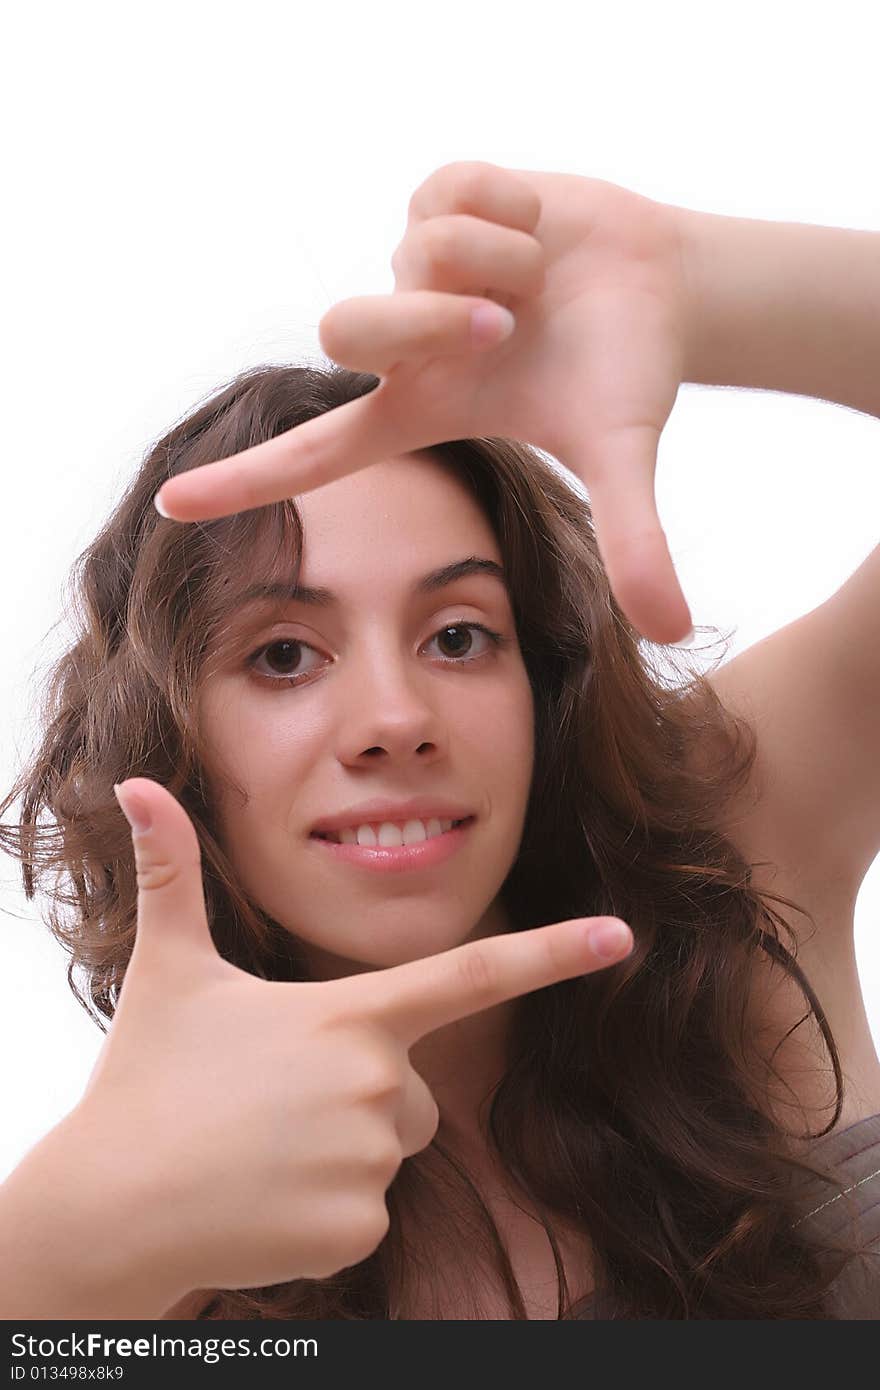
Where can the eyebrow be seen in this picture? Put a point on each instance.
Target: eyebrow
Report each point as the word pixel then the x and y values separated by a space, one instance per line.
pixel 428 584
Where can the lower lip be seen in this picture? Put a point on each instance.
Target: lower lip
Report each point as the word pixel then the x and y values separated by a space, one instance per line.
pixel 394 858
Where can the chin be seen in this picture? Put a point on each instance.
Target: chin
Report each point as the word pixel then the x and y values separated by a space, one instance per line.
pixel 335 958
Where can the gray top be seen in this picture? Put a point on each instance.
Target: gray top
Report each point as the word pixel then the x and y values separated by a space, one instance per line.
pixel 853 1154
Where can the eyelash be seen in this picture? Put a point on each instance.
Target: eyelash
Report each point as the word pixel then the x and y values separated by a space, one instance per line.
pixel 496 638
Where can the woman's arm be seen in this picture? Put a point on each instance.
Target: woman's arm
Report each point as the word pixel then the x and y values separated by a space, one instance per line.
pixel 69 1250
pixel 790 307
pixel 783 306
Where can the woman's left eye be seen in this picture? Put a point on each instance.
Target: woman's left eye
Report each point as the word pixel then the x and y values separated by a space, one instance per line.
pixel 461 630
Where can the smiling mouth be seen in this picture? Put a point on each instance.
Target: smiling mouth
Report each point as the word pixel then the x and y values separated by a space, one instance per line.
pixel 334 836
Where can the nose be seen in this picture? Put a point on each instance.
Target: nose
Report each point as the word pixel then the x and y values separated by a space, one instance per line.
pixel 389 708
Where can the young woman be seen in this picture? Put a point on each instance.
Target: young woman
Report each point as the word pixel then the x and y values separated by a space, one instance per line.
pixel 393 1076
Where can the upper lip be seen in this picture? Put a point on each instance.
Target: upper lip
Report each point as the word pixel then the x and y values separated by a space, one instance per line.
pixel 417 808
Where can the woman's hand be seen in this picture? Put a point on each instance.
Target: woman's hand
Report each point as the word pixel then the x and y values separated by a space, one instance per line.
pixel 255 1125
pixel 596 279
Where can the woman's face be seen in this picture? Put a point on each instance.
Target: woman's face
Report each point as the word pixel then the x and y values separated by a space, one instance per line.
pixel 388 704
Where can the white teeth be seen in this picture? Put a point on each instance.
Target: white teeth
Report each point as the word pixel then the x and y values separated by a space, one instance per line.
pixel 413 832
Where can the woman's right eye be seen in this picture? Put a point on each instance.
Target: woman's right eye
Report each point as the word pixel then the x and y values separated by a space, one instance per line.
pixel 289 649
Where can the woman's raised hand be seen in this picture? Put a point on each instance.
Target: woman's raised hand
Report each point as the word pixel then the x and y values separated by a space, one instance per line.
pixel 596 278
pixel 255 1124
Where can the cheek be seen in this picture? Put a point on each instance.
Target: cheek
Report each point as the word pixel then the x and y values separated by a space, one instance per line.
pixel 257 751
pixel 507 733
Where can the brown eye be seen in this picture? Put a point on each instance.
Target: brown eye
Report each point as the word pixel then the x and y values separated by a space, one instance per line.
pixel 462 640
pixel 282 656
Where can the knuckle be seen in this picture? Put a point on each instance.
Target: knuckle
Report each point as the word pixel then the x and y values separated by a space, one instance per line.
pixel 382 1155
pixel 366 1225
pixel 377 1074
pixel 450 170
pixel 245 482
pixel 478 974
pixel 535 260
pixel 431 1124
pixel 438 242
pixel 471 177
pixel 156 874
pixel 349 1231
pixel 557 946
pixel 444 177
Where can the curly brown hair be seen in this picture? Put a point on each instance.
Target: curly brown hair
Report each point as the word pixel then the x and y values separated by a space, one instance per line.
pixel 632 1105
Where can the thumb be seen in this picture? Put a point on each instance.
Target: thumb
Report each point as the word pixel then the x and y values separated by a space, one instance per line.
pixel 321 450
pixel 631 541
pixel 171 901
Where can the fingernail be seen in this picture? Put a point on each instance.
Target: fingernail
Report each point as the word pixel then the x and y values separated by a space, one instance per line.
pixel 491 324
pixel 134 810
pixel 157 503
pixel 610 938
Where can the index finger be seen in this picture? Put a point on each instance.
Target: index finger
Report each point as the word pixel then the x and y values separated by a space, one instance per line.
pixel 415 998
pixel 318 451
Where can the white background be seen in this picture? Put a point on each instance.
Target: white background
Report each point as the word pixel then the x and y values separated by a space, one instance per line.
pixel 191 186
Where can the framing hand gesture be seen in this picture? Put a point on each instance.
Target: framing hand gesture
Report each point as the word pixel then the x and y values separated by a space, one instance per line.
pixel 596 280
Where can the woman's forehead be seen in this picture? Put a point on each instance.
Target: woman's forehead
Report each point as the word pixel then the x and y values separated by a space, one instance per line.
pixel 401 513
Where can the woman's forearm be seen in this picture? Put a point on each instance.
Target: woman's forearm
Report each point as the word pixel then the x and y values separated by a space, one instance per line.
pixel 783 306
pixel 69 1250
